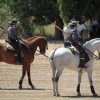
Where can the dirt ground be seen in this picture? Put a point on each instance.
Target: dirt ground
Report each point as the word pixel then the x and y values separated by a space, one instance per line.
pixel 41 78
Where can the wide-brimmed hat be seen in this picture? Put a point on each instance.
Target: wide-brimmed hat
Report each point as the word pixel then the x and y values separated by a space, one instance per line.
pixel 73 23
pixel 14 21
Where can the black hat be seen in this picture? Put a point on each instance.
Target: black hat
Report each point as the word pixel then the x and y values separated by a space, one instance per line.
pixel 14 21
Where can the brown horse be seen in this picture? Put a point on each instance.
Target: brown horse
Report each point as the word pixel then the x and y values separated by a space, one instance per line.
pixel 28 51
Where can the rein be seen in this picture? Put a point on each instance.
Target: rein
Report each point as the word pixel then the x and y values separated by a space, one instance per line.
pixel 92 54
pixel 33 47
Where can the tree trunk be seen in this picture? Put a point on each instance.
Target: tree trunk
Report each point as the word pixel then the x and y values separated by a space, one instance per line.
pixel 58 33
pixel 97 16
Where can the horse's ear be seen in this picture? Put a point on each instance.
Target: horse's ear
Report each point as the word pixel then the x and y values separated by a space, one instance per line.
pixel 47 37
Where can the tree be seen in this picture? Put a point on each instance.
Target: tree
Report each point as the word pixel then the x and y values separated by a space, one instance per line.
pixel 31 12
pixel 77 8
pixel 4 13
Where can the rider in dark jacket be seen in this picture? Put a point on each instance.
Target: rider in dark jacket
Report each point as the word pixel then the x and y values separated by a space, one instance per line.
pixel 13 38
pixel 74 40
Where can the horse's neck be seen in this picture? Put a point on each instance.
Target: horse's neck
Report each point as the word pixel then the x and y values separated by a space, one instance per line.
pixel 92 46
pixel 33 43
pixel 30 39
pixel 80 27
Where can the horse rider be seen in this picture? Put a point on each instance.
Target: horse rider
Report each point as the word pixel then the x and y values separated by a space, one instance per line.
pixel 14 41
pixel 72 39
pixel 73 19
pixel 81 20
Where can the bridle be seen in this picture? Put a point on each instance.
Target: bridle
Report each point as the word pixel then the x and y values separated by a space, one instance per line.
pixel 34 48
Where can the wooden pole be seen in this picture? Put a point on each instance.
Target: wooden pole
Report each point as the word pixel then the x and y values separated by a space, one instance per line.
pixel 55 25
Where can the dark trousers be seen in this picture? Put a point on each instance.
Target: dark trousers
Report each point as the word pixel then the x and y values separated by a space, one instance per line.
pixel 82 51
pixel 16 45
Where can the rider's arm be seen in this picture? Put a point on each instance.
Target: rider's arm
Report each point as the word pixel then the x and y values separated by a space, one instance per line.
pixel 74 37
pixel 12 33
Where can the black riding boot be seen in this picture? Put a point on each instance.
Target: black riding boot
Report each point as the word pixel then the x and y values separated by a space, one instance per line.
pixel 17 61
pixel 81 64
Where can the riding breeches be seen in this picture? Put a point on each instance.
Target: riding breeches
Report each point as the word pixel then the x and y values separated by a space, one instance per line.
pixel 16 45
pixel 82 51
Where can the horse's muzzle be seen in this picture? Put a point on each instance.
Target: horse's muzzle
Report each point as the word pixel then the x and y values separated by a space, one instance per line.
pixel 42 51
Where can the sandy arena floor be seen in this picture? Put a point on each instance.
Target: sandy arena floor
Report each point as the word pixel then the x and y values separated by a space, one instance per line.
pixel 41 78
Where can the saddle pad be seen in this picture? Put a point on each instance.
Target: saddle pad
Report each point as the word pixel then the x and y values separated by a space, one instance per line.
pixel 9 47
pixel 75 50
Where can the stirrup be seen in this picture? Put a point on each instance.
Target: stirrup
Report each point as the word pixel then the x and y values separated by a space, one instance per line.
pixel 81 66
pixel 18 63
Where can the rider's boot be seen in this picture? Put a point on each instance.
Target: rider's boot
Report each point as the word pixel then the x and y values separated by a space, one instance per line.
pixel 22 55
pixel 81 64
pixel 18 62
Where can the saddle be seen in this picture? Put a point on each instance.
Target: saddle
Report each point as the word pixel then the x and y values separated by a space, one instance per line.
pixel 74 50
pixel 8 46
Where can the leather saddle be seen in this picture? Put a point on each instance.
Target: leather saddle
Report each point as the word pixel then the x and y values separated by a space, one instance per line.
pixel 73 50
pixel 76 51
pixel 8 45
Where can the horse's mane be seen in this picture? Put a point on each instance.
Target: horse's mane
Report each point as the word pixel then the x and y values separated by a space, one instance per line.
pixel 29 39
pixel 33 38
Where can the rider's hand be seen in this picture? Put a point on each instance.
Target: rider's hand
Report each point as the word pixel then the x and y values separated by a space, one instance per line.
pixel 80 44
pixel 19 37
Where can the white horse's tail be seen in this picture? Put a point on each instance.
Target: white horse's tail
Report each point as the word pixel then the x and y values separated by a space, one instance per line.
pixel 51 56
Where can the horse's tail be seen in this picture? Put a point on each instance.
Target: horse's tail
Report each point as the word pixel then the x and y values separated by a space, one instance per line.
pixel 51 57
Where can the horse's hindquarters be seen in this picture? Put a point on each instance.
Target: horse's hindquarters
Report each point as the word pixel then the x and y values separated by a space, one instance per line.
pixel 62 57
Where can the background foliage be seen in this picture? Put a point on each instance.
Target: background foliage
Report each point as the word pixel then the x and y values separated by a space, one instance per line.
pixel 30 13
pixel 78 8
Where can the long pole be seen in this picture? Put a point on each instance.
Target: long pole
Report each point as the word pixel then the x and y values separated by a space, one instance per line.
pixel 1 27
pixel 67 33
pixel 55 25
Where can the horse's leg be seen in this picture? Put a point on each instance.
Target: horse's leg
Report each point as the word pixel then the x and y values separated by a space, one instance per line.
pixel 23 75
pixel 59 72
pixel 79 81
pixel 29 78
pixel 53 79
pixel 89 71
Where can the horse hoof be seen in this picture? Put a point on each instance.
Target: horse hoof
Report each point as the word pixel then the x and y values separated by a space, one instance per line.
pixel 54 95
pixel 32 87
pixel 79 94
pixel 20 87
pixel 95 95
pixel 58 95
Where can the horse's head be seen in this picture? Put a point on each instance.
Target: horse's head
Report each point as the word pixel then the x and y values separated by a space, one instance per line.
pixel 80 28
pixel 82 31
pixel 43 45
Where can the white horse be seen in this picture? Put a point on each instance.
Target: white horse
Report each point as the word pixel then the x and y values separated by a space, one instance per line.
pixel 80 28
pixel 62 57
